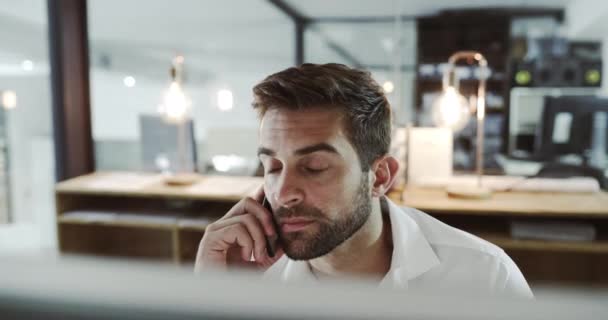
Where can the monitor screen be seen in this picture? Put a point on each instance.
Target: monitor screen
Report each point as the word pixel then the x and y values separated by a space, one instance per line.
pixel 568 125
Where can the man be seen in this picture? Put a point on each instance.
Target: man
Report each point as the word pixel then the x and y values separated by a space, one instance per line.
pixel 323 142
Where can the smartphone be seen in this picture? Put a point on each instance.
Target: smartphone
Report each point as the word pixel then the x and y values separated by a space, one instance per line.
pixel 271 243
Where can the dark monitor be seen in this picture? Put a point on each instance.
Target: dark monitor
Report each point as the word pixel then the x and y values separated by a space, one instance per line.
pixel 567 126
pixel 167 146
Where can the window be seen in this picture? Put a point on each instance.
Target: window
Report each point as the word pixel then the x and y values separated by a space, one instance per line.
pixel 226 52
pixel 26 135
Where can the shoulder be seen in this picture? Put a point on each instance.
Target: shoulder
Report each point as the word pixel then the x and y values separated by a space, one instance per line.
pixel 441 235
pixel 466 259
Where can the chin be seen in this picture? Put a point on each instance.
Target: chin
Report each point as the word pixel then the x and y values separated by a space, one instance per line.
pixel 305 248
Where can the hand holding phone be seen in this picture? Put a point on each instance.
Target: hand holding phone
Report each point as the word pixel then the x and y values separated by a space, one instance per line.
pixel 271 242
pixel 247 230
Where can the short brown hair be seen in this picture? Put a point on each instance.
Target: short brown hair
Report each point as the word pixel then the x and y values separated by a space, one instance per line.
pixel 368 115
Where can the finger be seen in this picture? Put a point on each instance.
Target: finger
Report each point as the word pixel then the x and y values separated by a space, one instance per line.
pixel 255 230
pixel 249 205
pixel 270 261
pixel 259 194
pixel 226 238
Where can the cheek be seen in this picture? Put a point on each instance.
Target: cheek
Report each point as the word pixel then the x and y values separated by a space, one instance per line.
pixel 335 192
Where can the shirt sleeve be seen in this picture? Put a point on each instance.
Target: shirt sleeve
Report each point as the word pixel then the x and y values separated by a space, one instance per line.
pixel 515 284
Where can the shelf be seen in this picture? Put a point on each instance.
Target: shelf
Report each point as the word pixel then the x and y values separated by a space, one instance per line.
pixel 508 243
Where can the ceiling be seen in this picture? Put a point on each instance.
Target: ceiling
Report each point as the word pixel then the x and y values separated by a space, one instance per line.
pixel 386 8
pixel 224 35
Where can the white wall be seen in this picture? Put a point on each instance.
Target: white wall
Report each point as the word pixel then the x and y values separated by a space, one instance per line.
pixel 31 162
pixel 31 120
pixel 116 109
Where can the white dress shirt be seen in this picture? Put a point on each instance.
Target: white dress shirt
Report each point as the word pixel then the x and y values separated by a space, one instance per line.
pixel 430 255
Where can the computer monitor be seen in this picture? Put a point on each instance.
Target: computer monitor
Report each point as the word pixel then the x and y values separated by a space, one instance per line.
pixel 160 144
pixel 568 124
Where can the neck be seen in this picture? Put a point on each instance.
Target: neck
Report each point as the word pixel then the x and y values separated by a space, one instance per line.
pixel 367 253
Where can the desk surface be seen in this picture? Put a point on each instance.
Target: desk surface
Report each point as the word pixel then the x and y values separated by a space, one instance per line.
pixel 133 184
pixel 230 188
pixel 514 203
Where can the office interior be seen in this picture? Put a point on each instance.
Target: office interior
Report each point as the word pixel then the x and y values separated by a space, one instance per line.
pixel 91 167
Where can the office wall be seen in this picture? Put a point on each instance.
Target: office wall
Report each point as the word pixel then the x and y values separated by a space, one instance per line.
pixel 116 110
pixel 31 162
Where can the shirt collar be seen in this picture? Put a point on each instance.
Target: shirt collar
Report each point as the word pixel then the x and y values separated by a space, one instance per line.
pixel 412 253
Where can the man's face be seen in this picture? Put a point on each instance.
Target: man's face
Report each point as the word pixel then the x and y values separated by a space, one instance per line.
pixel 313 180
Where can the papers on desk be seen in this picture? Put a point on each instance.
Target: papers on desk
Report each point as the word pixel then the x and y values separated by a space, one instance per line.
pixel 511 183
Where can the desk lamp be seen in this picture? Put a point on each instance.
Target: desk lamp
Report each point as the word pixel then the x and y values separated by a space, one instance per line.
pixel 452 110
pixel 175 108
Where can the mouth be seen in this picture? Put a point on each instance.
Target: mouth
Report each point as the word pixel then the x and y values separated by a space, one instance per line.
pixel 293 225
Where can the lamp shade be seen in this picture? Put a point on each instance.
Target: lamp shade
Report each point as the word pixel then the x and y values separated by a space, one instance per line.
pixel 451 110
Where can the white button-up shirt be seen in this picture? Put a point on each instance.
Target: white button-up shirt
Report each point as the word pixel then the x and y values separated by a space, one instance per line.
pixel 430 255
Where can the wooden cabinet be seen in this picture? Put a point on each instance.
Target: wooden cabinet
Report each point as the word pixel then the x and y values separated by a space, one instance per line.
pixel 139 216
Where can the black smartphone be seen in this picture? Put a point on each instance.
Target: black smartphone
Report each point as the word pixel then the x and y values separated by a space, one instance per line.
pixel 271 242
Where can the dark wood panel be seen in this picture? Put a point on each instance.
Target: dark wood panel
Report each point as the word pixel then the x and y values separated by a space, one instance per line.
pixel 69 58
pixel 116 241
pixel 562 268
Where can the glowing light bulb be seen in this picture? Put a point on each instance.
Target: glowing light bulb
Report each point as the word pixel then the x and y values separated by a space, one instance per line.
pixel 175 103
pixel 129 81
pixel 451 110
pixel 225 100
pixel 9 99
pixel 388 86
pixel 27 65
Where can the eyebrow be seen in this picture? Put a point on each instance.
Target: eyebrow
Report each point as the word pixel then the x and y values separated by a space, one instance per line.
pixel 302 151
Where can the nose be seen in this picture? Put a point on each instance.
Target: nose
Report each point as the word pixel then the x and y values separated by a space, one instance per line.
pixel 288 192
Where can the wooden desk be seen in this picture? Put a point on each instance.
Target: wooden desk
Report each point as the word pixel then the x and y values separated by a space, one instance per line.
pixel 540 260
pixel 592 205
pixel 137 215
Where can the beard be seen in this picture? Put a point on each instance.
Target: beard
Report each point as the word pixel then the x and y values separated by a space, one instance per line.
pixel 325 234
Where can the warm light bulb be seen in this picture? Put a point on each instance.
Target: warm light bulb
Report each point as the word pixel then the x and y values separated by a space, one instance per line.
pixel 225 100
pixel 451 110
pixel 388 87
pixel 9 99
pixel 129 81
pixel 175 103
pixel 27 65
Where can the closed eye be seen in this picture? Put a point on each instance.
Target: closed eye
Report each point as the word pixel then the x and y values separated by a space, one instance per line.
pixel 315 171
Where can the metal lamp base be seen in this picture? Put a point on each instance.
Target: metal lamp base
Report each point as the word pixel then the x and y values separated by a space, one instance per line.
pixel 182 179
pixel 469 192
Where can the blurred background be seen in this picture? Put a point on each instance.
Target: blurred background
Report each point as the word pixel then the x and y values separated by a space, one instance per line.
pixel 87 88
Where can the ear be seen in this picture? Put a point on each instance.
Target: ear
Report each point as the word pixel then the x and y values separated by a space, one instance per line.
pixel 384 171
